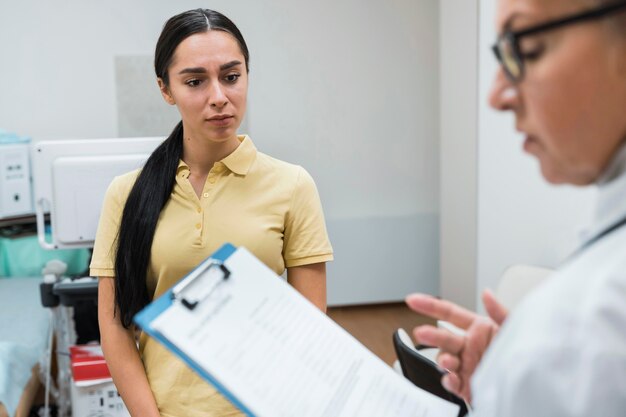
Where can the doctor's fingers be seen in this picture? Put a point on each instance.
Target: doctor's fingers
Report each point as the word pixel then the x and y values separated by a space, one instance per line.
pixel 441 310
pixel 449 361
pixel 495 309
pixel 478 339
pixel 441 338
pixel 456 385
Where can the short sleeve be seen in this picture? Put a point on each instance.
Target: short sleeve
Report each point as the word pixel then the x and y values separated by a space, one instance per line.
pixel 305 237
pixel 103 258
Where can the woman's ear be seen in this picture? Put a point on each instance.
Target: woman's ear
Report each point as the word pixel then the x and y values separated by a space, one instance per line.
pixel 165 92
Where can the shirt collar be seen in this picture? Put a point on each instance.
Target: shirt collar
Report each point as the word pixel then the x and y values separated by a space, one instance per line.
pixel 183 169
pixel 611 201
pixel 238 162
pixel 242 158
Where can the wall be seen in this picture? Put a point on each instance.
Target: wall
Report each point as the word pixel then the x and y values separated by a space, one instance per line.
pixel 496 210
pixel 459 142
pixel 521 219
pixel 348 89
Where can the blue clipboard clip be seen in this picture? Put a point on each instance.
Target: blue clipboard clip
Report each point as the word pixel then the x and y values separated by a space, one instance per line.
pixel 194 288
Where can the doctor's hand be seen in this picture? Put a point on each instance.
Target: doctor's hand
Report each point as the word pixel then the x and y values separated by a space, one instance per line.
pixel 459 354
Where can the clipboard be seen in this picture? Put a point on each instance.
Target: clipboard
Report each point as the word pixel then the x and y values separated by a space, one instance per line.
pixel 270 351
pixel 145 317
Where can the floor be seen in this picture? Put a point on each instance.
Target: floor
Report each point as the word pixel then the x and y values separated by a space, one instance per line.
pixel 373 325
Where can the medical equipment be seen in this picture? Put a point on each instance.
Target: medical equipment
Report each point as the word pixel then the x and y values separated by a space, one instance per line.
pixel 60 295
pixel 70 178
pixel 15 186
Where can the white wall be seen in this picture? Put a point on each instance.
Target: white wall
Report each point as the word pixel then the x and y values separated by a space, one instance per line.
pixel 521 219
pixel 459 128
pixel 348 89
pixel 356 84
pixel 496 210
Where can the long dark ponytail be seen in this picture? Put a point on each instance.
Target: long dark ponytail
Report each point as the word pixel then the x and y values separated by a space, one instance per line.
pixel 155 182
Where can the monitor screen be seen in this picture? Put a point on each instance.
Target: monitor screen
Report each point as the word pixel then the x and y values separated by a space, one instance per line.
pixel 70 178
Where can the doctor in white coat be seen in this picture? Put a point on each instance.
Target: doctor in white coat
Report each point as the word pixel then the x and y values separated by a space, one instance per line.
pixel 562 352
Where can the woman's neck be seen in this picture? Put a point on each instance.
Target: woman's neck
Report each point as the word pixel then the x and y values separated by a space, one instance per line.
pixel 201 154
pixel 616 166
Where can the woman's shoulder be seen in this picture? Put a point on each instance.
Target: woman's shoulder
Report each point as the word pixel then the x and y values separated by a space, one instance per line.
pixel 121 185
pixel 278 166
pixel 294 180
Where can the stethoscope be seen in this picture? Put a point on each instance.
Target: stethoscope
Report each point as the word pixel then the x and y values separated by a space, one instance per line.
pixel 597 238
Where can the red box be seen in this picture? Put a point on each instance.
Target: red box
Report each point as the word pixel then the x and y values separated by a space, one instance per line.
pixel 93 392
pixel 88 365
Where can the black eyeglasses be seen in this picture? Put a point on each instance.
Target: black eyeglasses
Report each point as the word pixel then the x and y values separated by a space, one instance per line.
pixel 507 49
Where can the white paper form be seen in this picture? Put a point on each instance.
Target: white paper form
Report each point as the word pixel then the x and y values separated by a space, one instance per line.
pixel 282 357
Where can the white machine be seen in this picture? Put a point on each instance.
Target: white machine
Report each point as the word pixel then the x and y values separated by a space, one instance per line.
pixel 70 178
pixel 15 186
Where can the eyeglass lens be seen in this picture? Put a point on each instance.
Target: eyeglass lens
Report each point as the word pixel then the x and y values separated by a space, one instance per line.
pixel 509 58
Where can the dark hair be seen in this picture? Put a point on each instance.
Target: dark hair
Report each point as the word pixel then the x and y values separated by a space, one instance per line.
pixel 155 182
pixel 183 25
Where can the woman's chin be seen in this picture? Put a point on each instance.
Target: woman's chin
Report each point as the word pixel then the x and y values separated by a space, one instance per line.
pixel 222 137
pixel 562 177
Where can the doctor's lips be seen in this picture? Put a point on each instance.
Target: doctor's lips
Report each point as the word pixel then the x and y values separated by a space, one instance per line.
pixel 220 119
pixel 529 141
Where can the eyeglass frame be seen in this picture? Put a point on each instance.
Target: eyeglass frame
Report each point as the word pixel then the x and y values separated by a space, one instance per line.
pixel 513 37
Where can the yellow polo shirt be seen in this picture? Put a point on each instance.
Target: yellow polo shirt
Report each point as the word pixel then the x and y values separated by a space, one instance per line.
pixel 249 199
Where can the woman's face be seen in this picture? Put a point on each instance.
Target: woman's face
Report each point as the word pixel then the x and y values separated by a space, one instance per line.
pixel 208 82
pixel 571 103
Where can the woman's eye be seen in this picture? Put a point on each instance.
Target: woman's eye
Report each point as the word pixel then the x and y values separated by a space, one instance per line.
pixel 532 54
pixel 232 78
pixel 193 83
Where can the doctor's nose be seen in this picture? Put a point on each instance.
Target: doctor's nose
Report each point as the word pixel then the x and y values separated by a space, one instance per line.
pixel 503 95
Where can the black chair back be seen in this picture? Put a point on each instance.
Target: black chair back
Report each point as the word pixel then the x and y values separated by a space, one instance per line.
pixel 423 372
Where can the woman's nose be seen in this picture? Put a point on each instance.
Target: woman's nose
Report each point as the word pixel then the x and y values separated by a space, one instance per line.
pixel 217 96
pixel 503 95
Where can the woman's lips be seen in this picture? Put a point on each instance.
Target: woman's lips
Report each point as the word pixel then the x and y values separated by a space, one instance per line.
pixel 529 143
pixel 220 121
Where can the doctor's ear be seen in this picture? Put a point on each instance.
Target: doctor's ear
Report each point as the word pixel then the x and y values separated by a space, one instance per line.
pixel 165 92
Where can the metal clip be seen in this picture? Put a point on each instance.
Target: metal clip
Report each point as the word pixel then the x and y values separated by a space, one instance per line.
pixel 193 288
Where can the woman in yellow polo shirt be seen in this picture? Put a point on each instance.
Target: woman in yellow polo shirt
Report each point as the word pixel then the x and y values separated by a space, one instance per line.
pixel 202 187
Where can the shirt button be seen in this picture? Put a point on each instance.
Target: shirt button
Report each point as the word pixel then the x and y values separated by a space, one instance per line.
pixel 205 195
pixel 199 210
pixel 212 180
pixel 198 226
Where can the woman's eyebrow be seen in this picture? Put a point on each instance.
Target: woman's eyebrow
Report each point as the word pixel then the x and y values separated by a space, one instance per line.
pixel 201 70
pixel 229 65
pixel 509 22
pixel 196 70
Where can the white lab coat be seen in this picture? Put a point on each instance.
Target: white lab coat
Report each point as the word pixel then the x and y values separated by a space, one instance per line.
pixel 562 352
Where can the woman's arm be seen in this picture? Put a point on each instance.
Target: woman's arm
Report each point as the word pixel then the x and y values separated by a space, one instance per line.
pixel 310 281
pixel 122 355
